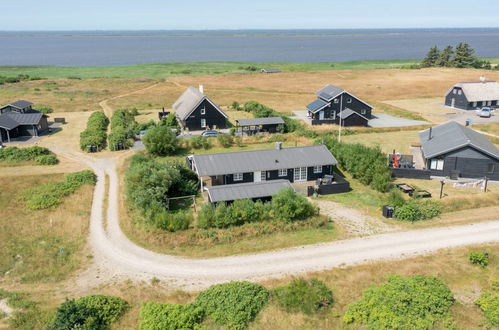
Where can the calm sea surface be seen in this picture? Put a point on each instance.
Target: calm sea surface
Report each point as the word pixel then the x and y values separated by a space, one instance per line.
pixel 124 47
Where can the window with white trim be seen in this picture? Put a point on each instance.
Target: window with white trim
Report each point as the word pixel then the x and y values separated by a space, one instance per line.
pixel 238 177
pixel 336 101
pixel 459 92
pixel 318 169
pixel 263 175
pixel 349 100
pixel 203 122
pixel 203 111
pixel 490 168
pixel 283 172
pixel 437 164
pixel 363 111
pixel 454 91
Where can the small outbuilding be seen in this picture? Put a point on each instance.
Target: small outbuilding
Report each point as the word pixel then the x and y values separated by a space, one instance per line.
pixel 472 95
pixel 255 125
pixel 20 119
pixel 196 112
pixel 255 191
pixel 453 150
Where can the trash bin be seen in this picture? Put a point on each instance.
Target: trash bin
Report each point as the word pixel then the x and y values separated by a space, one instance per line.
pixel 388 211
pixel 310 191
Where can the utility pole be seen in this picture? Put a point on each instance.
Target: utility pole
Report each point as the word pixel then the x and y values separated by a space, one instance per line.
pixel 341 109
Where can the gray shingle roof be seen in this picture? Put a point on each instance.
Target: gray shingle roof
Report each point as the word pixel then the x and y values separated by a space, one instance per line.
pixel 21 104
pixel 317 105
pixel 232 192
pixel 188 101
pixel 262 160
pixel 452 136
pixel 329 92
pixel 10 120
pixel 348 112
pixel 7 122
pixel 260 121
pixel 476 91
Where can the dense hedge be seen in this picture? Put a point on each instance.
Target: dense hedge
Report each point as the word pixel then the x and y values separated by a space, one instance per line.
pixel 123 129
pixel 200 142
pixel 416 302
pixel 368 165
pixel 489 304
pixel 150 183
pixel 96 312
pixel 36 153
pixel 233 305
pixel 50 195
pixel 161 141
pixel 156 316
pixel 262 111
pixel 286 206
pixel 18 78
pixel 95 133
pixel 304 296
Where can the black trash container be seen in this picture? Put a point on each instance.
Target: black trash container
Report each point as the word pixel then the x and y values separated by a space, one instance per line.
pixel 388 211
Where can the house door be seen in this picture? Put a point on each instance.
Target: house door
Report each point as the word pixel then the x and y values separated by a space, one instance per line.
pixel 321 115
pixel 300 174
pixel 203 123
pixel 257 176
pixel 452 102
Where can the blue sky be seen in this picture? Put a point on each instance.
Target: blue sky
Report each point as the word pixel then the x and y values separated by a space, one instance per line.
pixel 237 14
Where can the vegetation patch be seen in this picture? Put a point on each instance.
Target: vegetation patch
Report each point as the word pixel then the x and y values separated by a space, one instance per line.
pixel 16 79
pixel 15 155
pixel 123 129
pixel 462 56
pixel 262 111
pixel 49 196
pixel 479 258
pixel 306 296
pixel 95 133
pixel 27 313
pixel 156 316
pixel 416 302
pixel 489 304
pixel 200 142
pixel 91 312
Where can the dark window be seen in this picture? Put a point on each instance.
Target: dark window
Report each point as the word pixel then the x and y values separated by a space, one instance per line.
pixel 491 168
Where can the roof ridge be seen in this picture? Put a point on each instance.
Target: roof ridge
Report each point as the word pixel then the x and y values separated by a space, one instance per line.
pixel 256 150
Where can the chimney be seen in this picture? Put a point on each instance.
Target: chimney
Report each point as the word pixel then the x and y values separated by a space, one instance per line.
pixel 201 89
pixel 429 136
pixel 278 145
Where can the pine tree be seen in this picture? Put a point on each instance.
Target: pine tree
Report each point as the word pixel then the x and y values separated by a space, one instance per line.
pixel 431 58
pixel 465 56
pixel 445 58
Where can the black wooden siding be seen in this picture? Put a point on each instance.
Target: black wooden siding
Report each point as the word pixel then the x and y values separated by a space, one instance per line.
pixel 212 115
pixel 461 102
pixel 343 103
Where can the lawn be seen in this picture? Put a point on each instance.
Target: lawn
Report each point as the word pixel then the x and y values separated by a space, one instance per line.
pixel 387 141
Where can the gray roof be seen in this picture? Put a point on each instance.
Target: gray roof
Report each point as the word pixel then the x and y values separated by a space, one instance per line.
pixel 329 92
pixel 348 112
pixel 188 102
pixel 476 91
pixel 451 136
pixel 232 192
pixel 271 70
pixel 260 121
pixel 21 104
pixel 262 160
pixel 317 105
pixel 10 120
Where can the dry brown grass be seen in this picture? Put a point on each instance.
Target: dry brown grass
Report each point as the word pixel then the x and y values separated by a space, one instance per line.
pixel 387 141
pixel 431 109
pixel 492 128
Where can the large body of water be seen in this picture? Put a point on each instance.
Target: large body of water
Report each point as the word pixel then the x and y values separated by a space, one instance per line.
pixel 132 47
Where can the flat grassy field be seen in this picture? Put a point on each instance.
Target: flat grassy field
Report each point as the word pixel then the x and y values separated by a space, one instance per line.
pixel 45 245
pixel 387 141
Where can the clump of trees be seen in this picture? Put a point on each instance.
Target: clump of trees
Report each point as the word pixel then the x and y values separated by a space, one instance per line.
pixel 95 132
pixel 123 129
pixel 367 164
pixel 161 139
pixel 306 296
pixel 262 111
pixel 150 184
pixel 96 312
pixel 286 206
pixel 416 302
pixel 462 56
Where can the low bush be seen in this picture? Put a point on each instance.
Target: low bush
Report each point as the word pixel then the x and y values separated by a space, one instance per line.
pixel 156 316
pixel 417 210
pixel 95 132
pixel 225 141
pixel 479 258
pixel 50 195
pixel 304 296
pixel 16 155
pixel 91 312
pixel 489 304
pixel 171 221
pixel 287 205
pixel 161 141
pixel 416 302
pixel 233 305
pixel 170 121
pixel 44 109
pixel 395 198
pixel 200 142
pixel 47 160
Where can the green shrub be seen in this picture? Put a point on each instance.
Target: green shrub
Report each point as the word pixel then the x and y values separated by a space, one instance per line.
pixel 415 302
pixel 417 210
pixel 44 109
pixel 489 304
pixel 200 142
pixel 261 111
pixel 170 121
pixel 47 160
pixel 95 132
pixel 225 141
pixel 156 316
pixel 395 198
pixel 232 131
pixel 479 258
pixel 172 221
pixel 50 195
pixel 119 135
pixel 161 141
pixel 304 296
pixel 123 129
pixel 287 205
pixel 16 155
pixel 233 304
pixel 91 312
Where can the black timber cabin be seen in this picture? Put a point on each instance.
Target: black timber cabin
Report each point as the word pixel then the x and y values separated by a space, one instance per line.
pixel 20 119
pixel 453 150
pixel 334 105
pixel 196 112
pixel 294 164
pixel 472 95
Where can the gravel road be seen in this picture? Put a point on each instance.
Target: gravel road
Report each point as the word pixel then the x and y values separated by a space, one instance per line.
pixel 117 258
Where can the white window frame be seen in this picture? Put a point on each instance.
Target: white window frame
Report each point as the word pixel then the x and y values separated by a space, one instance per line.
pixel 336 101
pixel 283 172
pixel 437 164
pixel 349 100
pixel 454 91
pixel 317 169
pixel 363 111
pixel 459 92
pixel 203 111
pixel 203 123
pixel 238 176
pixel 263 175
